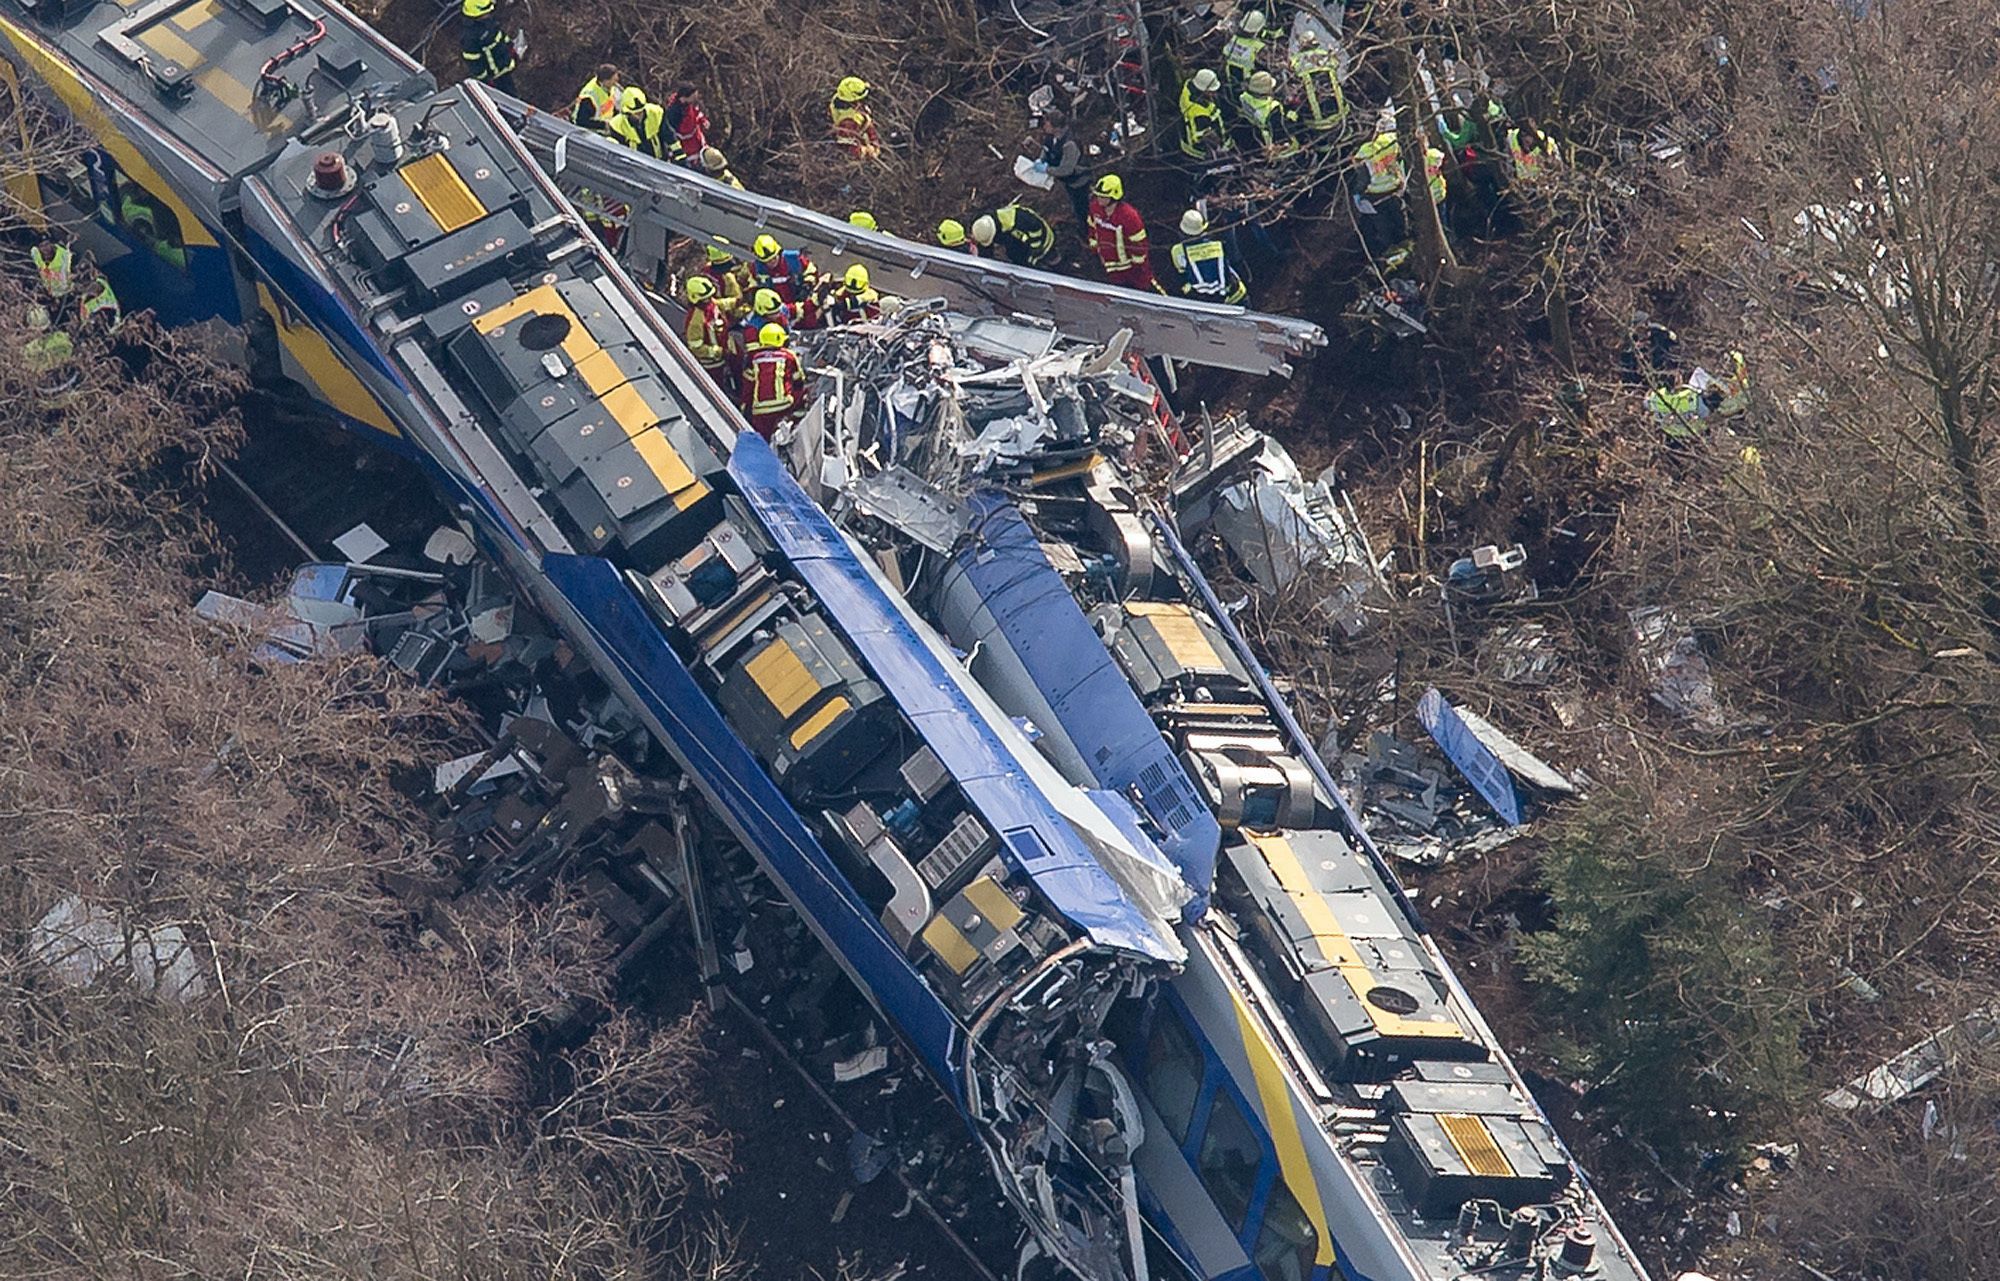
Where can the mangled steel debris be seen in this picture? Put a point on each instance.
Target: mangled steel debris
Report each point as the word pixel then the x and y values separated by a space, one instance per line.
pixel 1901 1075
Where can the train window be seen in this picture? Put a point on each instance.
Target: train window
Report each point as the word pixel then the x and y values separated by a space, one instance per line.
pixel 151 223
pixel 1173 1073
pixel 1229 1158
pixel 1287 1242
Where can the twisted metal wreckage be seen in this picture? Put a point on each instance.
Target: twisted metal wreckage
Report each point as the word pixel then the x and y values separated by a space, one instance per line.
pixel 958 687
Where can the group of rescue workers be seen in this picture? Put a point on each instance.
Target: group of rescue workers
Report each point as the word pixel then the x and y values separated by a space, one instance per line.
pixel 74 301
pixel 1277 96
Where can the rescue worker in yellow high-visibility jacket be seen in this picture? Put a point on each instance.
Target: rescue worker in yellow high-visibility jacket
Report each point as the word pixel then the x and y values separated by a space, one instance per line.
pixel 640 124
pixel 705 330
pixel 55 267
pixel 597 102
pixel 1204 133
pixel 1318 72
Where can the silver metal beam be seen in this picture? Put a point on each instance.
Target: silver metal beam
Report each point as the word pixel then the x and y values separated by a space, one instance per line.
pixel 667 198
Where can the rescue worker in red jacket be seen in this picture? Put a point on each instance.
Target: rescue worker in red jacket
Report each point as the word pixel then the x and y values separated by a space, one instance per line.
pixel 853 123
pixel 774 383
pixel 766 308
pixel 689 124
pixel 1118 235
pixel 706 331
pixel 789 271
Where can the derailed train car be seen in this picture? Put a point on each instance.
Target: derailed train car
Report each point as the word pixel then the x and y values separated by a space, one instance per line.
pixel 1151 958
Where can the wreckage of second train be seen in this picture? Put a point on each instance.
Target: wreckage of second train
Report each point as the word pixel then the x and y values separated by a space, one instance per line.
pixel 963 695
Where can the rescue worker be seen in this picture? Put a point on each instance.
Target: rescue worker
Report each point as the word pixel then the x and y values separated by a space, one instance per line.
pixel 597 102
pixel 55 266
pixel 641 124
pixel 951 235
pixel 730 277
pixel 1204 133
pixel 716 166
pixel 853 122
pixel 1269 119
pixel 487 51
pixel 1118 235
pixel 788 271
pixel 853 301
pixel 1682 412
pixel 1530 152
pixel 705 330
pixel 774 383
pixel 1318 72
pixel 766 308
pixel 1024 237
pixel 97 309
pixel 1244 50
pixel 49 354
pixel 1064 159
pixel 688 123
pixel 1203 264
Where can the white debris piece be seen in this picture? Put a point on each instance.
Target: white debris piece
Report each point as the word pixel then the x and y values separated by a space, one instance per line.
pixel 79 942
pixel 1904 1074
pixel 361 544
pixel 1282 526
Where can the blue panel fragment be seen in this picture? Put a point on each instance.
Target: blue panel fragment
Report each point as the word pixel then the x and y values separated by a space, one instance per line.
pixel 995 782
pixel 738 786
pixel 1092 700
pixel 1473 758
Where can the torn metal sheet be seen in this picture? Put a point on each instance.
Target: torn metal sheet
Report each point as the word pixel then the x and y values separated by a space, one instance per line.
pixel 1902 1075
pixel 668 199
pixel 1520 762
pixel 1473 758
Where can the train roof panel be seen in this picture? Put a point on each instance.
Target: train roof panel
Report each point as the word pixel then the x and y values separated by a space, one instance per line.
pixel 228 80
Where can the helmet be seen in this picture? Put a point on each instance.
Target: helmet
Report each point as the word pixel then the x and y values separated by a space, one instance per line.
pixel 851 89
pixel 1192 223
pixel 951 233
pixel 1111 187
pixel 1262 83
pixel 1309 38
pixel 766 302
pixel 771 335
pixel 863 219
pixel 1253 22
pixel 476 8
pixel 38 318
pixel 717 254
pixel 856 278
pixel 764 247
pixel 700 289
pixel 712 160
pixel 984 229
pixel 633 99
pixel 1207 81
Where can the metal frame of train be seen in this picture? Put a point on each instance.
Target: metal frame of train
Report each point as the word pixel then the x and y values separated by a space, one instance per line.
pixel 1153 959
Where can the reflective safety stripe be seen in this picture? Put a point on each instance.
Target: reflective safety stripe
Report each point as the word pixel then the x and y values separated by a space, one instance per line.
pixel 1203 265
pixel 771 391
pixel 1241 53
pixel 1318 72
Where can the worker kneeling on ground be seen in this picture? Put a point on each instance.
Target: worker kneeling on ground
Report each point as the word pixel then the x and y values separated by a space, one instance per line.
pixel 1022 236
pixel 1203 264
pixel 1118 235
pixel 774 383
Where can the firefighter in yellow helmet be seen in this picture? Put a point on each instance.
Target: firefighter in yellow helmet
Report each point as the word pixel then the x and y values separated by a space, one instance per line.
pixel 484 47
pixel 707 329
pixel 853 122
pixel 951 234
pixel 774 382
pixel 716 166
pixel 640 124
pixel 1017 232
pixel 1118 235
pixel 853 301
